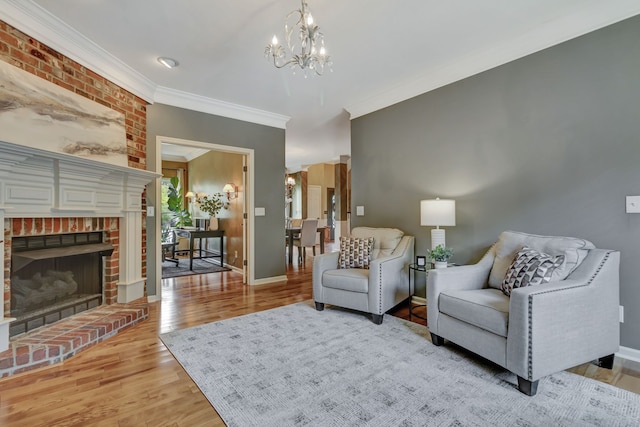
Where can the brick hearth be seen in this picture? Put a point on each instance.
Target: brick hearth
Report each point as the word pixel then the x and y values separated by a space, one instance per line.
pixel 57 342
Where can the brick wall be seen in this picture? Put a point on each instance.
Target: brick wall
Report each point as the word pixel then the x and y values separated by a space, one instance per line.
pixel 25 52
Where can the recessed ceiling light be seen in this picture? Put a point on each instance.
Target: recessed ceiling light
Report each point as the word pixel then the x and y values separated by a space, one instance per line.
pixel 168 62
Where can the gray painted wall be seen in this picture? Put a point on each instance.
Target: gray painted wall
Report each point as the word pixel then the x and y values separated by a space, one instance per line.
pixel 548 144
pixel 268 145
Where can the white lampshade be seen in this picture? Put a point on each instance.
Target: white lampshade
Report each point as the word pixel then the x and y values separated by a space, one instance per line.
pixel 229 188
pixel 190 195
pixel 438 212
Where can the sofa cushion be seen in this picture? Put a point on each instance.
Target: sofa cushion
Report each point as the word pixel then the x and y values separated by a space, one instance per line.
pixel 385 240
pixel 485 308
pixel 352 280
pixel 355 252
pixel 530 267
pixel 510 242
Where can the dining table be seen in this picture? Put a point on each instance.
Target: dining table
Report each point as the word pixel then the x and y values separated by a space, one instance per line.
pixel 292 231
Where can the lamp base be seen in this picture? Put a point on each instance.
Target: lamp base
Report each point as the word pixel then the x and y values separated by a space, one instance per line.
pixel 437 237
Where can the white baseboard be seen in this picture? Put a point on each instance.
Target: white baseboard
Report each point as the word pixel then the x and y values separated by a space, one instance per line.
pixel 418 300
pixel 629 354
pixel 266 280
pixel 153 298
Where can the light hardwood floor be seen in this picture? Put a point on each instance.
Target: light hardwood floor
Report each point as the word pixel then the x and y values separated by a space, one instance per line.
pixel 133 380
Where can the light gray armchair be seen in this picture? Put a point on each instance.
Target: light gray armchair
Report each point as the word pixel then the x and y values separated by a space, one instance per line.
pixel 375 290
pixel 539 329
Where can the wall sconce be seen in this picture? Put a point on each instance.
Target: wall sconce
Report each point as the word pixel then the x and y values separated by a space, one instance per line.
pixel 230 188
pixel 290 182
pixel 190 196
pixel 437 213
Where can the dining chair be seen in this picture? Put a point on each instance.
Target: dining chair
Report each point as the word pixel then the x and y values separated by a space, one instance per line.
pixel 307 238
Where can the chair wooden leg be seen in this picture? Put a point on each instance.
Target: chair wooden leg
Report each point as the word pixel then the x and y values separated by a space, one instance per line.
pixel 377 318
pixel 530 388
pixel 319 306
pixel 314 251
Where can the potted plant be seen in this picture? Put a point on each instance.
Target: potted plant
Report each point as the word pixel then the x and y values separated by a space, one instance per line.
pixel 212 205
pixel 180 217
pixel 440 256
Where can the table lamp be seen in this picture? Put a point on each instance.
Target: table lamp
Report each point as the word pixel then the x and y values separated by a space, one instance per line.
pixel 439 213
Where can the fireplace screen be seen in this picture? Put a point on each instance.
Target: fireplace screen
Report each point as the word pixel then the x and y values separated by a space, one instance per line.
pixel 54 277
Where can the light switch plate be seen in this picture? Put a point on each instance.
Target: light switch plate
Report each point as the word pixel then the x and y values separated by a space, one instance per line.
pixel 633 204
pixel 151 211
pixel 260 212
pixel 359 210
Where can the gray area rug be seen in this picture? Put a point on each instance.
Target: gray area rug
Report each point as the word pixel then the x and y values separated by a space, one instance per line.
pixel 200 266
pixel 295 366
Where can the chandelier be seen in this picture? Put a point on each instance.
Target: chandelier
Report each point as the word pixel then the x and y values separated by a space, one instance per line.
pixel 312 55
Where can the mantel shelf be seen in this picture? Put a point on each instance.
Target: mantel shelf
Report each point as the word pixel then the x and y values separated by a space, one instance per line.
pixel 41 183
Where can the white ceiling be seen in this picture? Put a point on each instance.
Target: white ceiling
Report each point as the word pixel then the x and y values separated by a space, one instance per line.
pixel 384 51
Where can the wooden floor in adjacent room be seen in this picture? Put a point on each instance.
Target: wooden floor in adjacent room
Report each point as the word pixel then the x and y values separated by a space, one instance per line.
pixel 133 380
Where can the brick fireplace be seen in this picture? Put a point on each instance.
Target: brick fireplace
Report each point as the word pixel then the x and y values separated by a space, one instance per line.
pixel 56 268
pixel 47 193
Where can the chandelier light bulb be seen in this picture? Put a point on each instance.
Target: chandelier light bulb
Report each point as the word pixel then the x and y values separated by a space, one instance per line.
pixel 301 32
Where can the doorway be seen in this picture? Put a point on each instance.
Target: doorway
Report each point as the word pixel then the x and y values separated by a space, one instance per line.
pixel 245 194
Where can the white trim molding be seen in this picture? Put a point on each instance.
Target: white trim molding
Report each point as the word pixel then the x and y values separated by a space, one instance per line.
pixel 178 98
pixel 629 354
pixel 267 280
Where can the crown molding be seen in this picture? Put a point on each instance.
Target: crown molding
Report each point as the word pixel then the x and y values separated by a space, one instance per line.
pixel 37 22
pixel 553 33
pixel 190 101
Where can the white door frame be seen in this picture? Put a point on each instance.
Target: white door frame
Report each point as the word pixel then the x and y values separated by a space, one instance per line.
pixel 249 244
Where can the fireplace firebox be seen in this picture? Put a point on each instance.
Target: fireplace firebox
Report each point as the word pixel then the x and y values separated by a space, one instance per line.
pixel 55 276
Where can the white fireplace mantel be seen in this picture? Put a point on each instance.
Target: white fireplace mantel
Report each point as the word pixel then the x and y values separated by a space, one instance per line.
pixel 39 183
pixel 36 183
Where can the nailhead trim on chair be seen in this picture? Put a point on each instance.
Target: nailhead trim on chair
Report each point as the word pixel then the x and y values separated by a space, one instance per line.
pixel 380 289
pixel 530 306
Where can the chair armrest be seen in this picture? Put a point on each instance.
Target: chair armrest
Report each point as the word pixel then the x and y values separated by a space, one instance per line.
pixel 465 277
pixel 388 279
pixel 322 263
pixel 562 324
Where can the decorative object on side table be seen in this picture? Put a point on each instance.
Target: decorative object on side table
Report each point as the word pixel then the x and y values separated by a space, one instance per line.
pixel 438 213
pixel 440 256
pixel 212 205
pixel 421 260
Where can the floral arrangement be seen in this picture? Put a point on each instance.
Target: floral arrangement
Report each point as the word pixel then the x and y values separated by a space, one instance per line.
pixel 212 204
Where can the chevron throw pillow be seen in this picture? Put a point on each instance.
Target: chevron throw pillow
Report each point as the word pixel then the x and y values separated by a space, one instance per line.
pixel 530 267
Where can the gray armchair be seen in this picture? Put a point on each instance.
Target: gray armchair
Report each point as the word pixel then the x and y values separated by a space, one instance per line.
pixel 539 329
pixel 374 290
